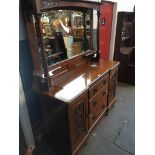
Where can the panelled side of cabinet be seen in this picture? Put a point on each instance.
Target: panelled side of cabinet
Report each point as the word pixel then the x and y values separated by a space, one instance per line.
pixel 112 86
pixel 55 124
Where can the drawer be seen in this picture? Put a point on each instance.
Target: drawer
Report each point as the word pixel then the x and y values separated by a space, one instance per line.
pixel 97 105
pixel 98 86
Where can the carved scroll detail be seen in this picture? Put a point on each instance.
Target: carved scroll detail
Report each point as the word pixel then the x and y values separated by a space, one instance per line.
pixel 79 119
pixel 45 4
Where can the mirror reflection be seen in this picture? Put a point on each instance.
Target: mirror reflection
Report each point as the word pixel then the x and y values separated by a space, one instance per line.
pixel 66 33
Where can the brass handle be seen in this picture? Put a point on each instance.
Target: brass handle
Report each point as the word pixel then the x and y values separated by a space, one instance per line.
pixel 94 91
pixel 94 103
pixel 104 93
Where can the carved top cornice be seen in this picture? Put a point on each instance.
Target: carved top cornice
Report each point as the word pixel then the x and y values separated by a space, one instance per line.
pixel 45 4
pixel 49 4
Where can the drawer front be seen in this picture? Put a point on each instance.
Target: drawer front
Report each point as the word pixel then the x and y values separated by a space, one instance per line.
pixel 97 105
pixel 98 86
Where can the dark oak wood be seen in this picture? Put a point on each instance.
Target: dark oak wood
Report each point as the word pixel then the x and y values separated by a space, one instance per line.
pixel 112 86
pixel 74 93
pixel 91 28
pixel 98 86
pixel 34 46
pixel 124 46
pixel 39 54
pixel 59 4
pixel 40 58
pixel 82 76
pixel 97 105
pixel 72 101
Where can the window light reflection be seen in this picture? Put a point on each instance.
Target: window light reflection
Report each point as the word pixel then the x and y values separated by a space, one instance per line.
pixel 72 89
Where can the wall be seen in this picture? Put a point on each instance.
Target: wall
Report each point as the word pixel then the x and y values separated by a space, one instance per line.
pixel 22 33
pixel 125 5
pixel 113 32
pixel 24 118
pixel 26 72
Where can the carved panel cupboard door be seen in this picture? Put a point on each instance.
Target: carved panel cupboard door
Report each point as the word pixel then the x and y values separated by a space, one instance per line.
pixel 78 120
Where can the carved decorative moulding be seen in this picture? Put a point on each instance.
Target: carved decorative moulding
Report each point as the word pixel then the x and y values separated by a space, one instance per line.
pixel 46 4
pixel 79 120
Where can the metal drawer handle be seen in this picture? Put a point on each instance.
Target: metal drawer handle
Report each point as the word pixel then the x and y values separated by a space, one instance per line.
pixel 95 90
pixel 94 103
pixel 104 93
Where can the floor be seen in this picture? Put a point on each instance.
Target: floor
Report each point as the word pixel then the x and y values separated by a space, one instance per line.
pixel 115 134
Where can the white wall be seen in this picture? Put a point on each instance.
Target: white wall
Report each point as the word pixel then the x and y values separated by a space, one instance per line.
pixel 124 5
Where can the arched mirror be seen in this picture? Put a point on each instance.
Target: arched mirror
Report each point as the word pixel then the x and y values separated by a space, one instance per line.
pixel 65 33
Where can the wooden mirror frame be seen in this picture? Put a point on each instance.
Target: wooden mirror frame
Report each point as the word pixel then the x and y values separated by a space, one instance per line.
pixel 35 35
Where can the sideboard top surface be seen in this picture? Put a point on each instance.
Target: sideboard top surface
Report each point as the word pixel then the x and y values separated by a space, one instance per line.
pixel 79 80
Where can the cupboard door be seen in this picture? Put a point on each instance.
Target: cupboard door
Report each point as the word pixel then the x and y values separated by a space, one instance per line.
pixel 112 86
pixel 78 120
